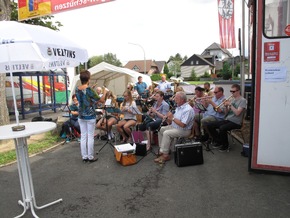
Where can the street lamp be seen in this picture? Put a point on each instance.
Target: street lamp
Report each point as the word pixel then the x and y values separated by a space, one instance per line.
pixel 143 53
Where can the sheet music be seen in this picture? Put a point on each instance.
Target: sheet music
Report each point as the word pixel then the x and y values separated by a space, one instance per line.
pixel 125 148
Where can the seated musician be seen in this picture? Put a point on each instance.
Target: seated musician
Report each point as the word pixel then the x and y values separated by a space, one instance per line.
pixel 234 114
pixel 213 113
pixel 180 126
pixel 207 89
pixel 73 120
pixel 109 118
pixel 155 115
pixel 197 102
pixel 134 93
pixel 129 109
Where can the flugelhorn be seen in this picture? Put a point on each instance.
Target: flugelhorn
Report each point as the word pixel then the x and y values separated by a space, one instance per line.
pixel 223 102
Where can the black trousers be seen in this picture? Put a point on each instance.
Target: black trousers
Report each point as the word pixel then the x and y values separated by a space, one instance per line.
pixel 219 129
pixel 152 125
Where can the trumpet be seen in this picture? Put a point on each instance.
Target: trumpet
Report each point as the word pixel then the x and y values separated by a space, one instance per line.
pixel 203 98
pixel 221 104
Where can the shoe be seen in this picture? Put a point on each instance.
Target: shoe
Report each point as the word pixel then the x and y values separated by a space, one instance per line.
pixel 216 145
pixel 79 140
pixel 63 136
pixel 162 159
pixel 93 160
pixel 85 160
pixel 224 148
pixel 67 140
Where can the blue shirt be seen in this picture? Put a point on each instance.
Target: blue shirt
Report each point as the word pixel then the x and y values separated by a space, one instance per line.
pixel 210 110
pixel 164 86
pixel 163 109
pixel 140 88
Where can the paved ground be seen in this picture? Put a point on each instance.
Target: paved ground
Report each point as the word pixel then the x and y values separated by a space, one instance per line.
pixel 221 187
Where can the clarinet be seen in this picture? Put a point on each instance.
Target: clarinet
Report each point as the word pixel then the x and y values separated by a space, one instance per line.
pixel 162 123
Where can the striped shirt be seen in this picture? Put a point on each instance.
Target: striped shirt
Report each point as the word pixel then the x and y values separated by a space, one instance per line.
pixel 185 114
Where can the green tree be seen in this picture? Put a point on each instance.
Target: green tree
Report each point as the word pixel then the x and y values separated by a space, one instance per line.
pixel 176 61
pixel 226 71
pixel 166 69
pixel 193 75
pixel 237 70
pixel 108 58
pixel 206 75
pixel 112 59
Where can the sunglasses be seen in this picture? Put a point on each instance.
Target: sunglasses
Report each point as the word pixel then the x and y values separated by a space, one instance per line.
pixel 232 91
pixel 216 92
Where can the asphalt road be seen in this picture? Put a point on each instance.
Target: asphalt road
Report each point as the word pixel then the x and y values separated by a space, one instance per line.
pixel 221 187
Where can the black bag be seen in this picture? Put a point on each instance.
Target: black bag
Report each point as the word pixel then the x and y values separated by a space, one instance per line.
pixel 141 149
pixel 188 154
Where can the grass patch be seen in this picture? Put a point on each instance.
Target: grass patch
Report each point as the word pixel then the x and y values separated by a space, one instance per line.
pixel 48 141
pixel 199 82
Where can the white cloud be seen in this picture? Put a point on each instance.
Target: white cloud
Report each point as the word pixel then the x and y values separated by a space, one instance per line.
pixel 162 27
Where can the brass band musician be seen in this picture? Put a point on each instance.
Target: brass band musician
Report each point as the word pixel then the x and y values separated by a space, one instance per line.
pixel 234 114
pixel 213 113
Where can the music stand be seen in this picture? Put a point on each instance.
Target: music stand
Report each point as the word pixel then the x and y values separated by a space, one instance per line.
pixel 111 110
pixel 151 148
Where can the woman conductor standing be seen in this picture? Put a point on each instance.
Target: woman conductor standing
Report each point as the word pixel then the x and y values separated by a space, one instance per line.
pixel 87 98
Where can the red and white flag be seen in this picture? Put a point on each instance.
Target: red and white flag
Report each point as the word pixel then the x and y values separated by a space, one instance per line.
pixel 227 23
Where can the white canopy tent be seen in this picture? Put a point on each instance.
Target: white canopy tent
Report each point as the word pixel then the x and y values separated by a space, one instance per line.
pixel 114 78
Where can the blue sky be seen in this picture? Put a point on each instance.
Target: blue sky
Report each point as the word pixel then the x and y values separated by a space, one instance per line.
pixel 162 27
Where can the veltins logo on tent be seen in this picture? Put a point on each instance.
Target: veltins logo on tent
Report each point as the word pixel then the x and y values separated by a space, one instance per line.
pixel 49 51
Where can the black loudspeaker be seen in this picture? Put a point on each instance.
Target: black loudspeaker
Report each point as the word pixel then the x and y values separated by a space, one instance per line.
pixel 188 154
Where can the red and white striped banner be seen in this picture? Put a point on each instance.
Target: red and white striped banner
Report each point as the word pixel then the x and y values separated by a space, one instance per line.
pixel 227 23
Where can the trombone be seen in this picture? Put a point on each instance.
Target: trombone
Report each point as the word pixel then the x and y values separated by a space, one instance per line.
pixel 221 104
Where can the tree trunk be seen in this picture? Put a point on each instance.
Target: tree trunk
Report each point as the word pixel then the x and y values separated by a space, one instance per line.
pixel 5 12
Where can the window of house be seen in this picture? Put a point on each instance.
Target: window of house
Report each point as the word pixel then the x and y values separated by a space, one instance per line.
pixel 135 68
pixel 191 63
pixel 196 62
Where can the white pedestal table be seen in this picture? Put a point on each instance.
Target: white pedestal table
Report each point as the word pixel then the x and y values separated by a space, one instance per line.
pixel 20 139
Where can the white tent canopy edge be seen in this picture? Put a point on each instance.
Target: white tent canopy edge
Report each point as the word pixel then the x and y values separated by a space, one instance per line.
pixel 114 78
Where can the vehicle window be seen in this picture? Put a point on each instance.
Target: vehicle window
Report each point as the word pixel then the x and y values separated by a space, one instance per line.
pixel 277 18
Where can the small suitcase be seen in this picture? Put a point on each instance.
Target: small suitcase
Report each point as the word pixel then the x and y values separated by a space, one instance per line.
pixel 188 154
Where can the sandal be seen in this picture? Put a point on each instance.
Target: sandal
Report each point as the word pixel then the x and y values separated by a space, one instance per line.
pixel 162 159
